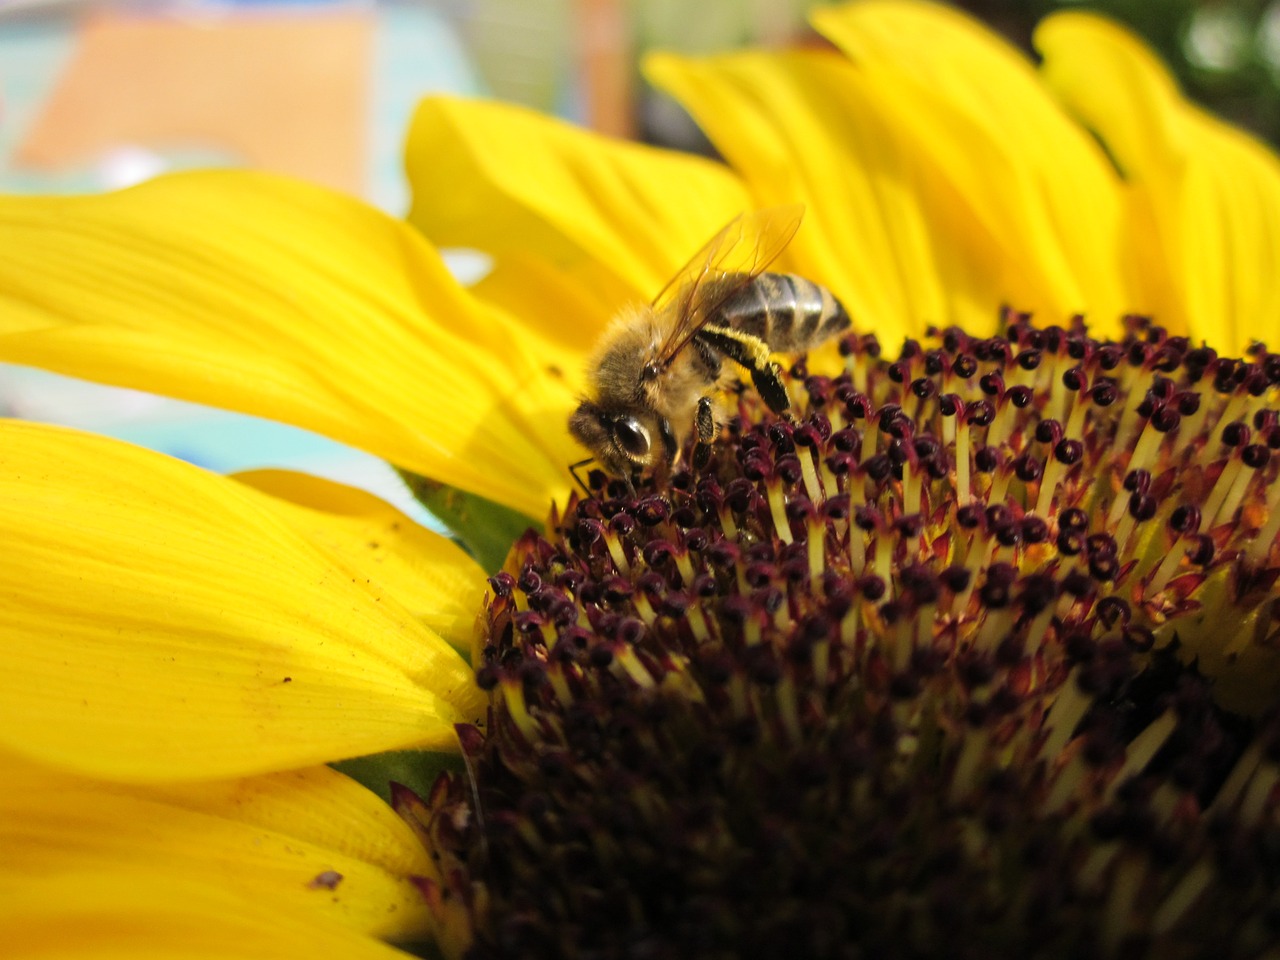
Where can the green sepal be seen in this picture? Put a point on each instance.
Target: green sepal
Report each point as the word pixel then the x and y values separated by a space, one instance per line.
pixel 485 529
pixel 416 769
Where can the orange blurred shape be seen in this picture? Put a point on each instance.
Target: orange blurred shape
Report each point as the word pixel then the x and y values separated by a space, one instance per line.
pixel 285 92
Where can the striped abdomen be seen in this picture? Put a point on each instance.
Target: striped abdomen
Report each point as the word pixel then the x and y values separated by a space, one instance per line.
pixel 789 313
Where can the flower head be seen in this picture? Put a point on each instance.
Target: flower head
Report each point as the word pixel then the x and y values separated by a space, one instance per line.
pixel 975 652
pixel 836 689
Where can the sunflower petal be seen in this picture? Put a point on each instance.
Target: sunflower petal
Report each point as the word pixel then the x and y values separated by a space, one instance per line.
pixel 160 623
pixel 1204 197
pixel 1025 180
pixel 110 915
pixel 549 300
pixel 428 574
pixel 800 127
pixel 281 299
pixel 306 841
pixel 619 218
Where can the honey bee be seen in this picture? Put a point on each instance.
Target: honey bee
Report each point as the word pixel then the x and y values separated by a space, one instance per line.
pixel 659 373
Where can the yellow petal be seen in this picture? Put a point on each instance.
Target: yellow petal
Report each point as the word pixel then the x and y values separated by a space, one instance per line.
pixel 427 574
pixel 1027 181
pixel 99 915
pixel 307 841
pixel 281 299
pixel 619 218
pixel 551 301
pixel 801 127
pixel 160 623
pixel 1204 198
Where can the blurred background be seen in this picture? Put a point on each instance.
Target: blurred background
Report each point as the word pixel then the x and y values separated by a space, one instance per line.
pixel 97 95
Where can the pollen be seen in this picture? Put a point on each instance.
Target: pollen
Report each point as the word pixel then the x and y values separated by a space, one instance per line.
pixel 974 654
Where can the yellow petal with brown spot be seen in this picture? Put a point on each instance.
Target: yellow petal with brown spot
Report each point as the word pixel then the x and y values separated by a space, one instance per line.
pixel 117 915
pixel 306 841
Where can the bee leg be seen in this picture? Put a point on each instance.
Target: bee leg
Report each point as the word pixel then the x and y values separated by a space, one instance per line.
pixel 768 381
pixel 669 446
pixel 704 423
pixel 753 353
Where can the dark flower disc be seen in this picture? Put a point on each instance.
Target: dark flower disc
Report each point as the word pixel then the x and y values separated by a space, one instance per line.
pixel 973 656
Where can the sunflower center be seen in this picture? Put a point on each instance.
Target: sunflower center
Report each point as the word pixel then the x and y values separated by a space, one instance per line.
pixel 974 655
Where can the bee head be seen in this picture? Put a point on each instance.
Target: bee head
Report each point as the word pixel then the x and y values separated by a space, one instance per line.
pixel 620 440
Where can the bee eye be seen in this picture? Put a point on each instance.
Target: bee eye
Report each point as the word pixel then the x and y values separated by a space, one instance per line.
pixel 632 437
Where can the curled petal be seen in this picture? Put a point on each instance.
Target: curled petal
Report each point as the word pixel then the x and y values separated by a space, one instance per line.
pixel 618 218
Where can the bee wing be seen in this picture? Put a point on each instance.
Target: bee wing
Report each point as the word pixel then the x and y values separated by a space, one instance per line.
pixel 731 259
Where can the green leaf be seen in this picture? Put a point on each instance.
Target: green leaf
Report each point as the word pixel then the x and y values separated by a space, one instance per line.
pixel 485 529
pixel 416 769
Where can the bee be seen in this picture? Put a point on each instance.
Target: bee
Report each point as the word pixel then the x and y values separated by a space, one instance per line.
pixel 659 375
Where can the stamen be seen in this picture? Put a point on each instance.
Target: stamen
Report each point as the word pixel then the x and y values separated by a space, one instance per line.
pixel 812 485
pixel 910 489
pixel 626 658
pixel 681 557
pixel 698 624
pixel 1142 749
pixel 1002 425
pixel 1261 788
pixel 815 544
pixel 644 608
pixel 512 688
pixel 778 510
pixel 882 561
pixel 1121 901
pixel 1241 776
pixel 616 552
pixel 1253 459
pixel 1001 475
pixel 1183 522
pixel 788 712
pixel 1261 546
pixel 1065 714
pixel 1182 897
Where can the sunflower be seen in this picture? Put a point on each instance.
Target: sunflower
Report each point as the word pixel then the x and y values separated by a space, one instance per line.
pixel 972 654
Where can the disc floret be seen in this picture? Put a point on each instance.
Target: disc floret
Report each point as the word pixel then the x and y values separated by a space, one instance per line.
pixel 975 655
